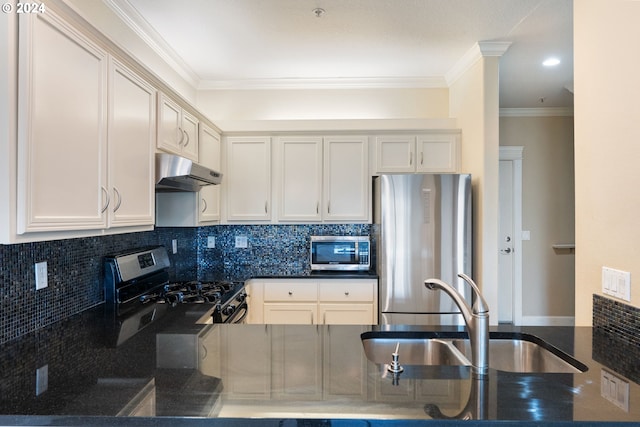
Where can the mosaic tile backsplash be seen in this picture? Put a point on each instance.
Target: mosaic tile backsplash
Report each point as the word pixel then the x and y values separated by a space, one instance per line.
pixel 616 320
pixel 75 266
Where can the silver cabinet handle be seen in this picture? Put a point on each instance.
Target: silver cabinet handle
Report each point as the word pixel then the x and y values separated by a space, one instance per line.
pixel 317 208
pixel 106 205
pixel 204 203
pixel 266 206
pixel 422 157
pixel 410 159
pixel 328 207
pixel 187 135
pixel 119 202
pixel 181 135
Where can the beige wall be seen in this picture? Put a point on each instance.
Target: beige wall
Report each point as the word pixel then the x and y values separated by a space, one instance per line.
pixel 474 102
pixel 547 211
pixel 607 145
pixel 323 104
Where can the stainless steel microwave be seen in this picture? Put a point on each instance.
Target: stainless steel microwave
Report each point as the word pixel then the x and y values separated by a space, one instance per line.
pixel 340 253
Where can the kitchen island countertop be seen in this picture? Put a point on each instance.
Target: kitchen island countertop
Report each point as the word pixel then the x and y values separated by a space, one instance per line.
pixel 177 371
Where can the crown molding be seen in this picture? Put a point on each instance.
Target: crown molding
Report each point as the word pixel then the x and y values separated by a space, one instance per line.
pixel 325 83
pixel 479 50
pixel 537 112
pixel 136 22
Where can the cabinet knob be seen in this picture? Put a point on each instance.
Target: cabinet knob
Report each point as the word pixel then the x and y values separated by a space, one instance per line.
pixel 346 293
pixel 290 293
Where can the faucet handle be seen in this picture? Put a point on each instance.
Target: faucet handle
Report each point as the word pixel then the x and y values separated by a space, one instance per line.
pixel 479 304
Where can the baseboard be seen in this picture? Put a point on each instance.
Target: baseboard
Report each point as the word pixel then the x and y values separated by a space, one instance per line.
pixel 547 321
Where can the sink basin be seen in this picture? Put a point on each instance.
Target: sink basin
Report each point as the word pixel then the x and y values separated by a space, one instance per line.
pixel 413 351
pixel 511 352
pixel 525 354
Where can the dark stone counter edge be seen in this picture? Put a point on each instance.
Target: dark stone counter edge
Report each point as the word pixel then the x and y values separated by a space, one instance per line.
pixel 284 422
pixel 322 275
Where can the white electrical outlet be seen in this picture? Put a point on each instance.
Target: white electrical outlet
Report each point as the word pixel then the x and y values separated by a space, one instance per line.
pixel 42 379
pixel 242 242
pixel 614 389
pixel 616 283
pixel 41 275
pixel 174 246
pixel 211 242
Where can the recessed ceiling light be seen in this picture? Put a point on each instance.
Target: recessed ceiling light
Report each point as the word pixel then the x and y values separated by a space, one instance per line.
pixel 551 62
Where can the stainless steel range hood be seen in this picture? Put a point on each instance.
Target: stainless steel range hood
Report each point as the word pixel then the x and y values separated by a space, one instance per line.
pixel 175 173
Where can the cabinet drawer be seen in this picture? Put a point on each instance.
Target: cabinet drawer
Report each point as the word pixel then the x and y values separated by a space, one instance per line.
pixel 296 291
pixel 346 292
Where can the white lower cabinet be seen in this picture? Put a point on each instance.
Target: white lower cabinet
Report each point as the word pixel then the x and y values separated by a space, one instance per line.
pixel 311 301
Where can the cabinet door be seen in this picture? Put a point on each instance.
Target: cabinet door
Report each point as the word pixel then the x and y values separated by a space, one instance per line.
pixel 346 314
pixel 131 148
pixel 209 196
pixel 291 314
pixel 346 180
pixel 248 178
pixel 438 153
pixel 300 178
pixel 190 131
pixel 395 153
pixel 247 361
pixel 170 135
pixel 62 127
pixel 345 367
pixel 296 362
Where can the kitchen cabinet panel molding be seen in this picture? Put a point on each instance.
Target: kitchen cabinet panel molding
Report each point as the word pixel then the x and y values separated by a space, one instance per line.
pixel 299 178
pixel 434 152
pixel 248 178
pixel 62 128
pixel 177 129
pixel 131 139
pixel 313 301
pixel 347 182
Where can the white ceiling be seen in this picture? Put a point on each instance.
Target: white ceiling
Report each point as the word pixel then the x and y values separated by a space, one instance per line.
pixel 360 43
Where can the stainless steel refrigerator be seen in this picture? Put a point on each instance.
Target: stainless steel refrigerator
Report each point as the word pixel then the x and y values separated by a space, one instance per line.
pixel 422 229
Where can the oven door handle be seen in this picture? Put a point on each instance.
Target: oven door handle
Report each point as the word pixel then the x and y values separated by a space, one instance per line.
pixel 245 311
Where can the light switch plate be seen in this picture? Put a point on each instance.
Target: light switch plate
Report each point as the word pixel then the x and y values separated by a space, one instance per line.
pixel 616 283
pixel 614 389
pixel 211 242
pixel 174 246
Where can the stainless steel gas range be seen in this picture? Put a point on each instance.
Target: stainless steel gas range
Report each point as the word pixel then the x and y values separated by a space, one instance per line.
pixel 138 292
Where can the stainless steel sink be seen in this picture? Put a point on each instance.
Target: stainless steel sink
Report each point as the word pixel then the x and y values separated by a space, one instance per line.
pixel 416 351
pixel 525 356
pixel 521 353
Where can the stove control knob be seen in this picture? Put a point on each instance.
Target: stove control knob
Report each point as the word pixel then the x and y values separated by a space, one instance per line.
pixel 241 297
pixel 228 310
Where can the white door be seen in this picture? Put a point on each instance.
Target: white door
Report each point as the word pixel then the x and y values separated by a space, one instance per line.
pixel 505 244
pixel 510 236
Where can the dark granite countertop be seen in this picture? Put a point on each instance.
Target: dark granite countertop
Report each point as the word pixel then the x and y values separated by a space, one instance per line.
pixel 177 371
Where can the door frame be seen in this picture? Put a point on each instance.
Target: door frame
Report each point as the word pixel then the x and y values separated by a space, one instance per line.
pixel 515 155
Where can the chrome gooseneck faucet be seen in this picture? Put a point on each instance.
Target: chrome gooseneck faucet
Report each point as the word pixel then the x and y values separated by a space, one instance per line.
pixel 476 319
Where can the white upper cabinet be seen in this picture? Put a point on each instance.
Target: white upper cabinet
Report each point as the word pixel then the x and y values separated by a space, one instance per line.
pixel 422 153
pixel 62 128
pixel 209 196
pixel 346 178
pixel 247 179
pixel 131 124
pixel 177 129
pixel 299 178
